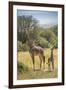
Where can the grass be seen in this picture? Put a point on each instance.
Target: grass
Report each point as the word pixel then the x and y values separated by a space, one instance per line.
pixel 25 66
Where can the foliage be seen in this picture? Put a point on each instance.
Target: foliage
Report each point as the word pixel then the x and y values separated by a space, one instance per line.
pixel 22 47
pixel 29 29
pixel 25 47
pixel 22 67
pixel 50 37
pixel 42 42
pixel 25 26
pixel 55 30
pixel 19 46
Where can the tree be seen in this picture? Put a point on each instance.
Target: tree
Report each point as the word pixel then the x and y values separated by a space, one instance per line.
pixel 50 36
pixel 25 25
pixel 29 31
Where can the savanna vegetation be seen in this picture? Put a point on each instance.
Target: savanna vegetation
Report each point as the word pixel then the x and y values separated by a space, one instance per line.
pixel 44 37
pixel 25 66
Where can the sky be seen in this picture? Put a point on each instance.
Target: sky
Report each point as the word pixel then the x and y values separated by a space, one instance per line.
pixel 44 17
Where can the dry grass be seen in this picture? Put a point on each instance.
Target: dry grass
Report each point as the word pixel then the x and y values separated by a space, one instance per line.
pixel 24 57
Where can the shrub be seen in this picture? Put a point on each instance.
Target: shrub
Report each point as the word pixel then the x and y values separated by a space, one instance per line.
pixel 42 42
pixel 25 47
pixel 22 67
pixel 19 46
pixel 22 47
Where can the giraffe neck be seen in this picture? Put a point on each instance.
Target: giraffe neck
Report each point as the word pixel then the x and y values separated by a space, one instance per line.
pixel 51 53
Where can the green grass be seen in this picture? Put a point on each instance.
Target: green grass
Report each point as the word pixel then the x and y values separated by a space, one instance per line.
pixel 25 66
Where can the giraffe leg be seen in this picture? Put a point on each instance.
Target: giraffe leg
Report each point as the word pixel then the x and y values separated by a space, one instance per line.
pixel 33 62
pixel 43 57
pixel 40 61
pixel 52 64
pixel 49 64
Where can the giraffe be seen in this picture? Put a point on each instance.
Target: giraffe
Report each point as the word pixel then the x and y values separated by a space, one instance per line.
pixel 35 50
pixel 51 60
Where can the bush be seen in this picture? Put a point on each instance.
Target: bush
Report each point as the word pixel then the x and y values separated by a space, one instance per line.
pixel 19 46
pixel 25 47
pixel 50 37
pixel 42 42
pixel 22 67
pixel 22 47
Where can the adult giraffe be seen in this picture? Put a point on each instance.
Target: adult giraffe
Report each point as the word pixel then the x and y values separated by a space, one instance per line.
pixel 35 50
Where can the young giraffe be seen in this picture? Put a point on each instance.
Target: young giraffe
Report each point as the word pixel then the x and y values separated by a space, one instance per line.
pixel 51 60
